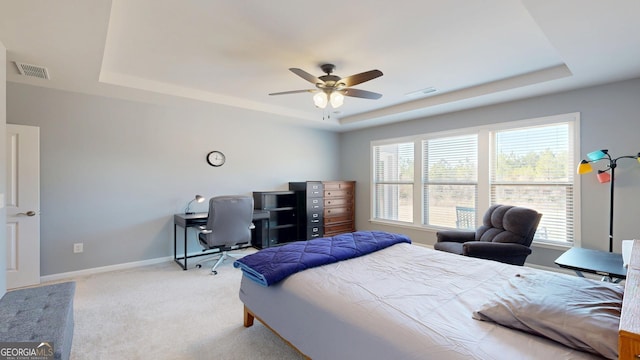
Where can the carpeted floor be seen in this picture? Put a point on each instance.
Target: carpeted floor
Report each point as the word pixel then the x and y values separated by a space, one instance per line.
pixel 163 312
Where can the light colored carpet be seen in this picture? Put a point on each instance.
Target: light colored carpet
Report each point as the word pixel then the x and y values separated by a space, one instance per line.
pixel 163 312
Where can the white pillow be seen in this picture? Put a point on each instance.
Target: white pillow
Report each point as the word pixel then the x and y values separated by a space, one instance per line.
pixel 580 313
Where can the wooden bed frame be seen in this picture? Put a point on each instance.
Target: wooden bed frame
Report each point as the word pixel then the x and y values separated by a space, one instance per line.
pixel 248 322
pixel 629 331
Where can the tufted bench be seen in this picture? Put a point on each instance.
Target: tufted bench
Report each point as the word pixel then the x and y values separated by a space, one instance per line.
pixel 43 314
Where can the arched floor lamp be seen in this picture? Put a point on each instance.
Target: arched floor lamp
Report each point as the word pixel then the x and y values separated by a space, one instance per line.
pixel 604 176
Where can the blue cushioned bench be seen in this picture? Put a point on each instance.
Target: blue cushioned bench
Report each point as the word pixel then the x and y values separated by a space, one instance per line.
pixel 43 313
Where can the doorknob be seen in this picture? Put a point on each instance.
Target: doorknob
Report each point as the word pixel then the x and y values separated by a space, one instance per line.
pixel 28 213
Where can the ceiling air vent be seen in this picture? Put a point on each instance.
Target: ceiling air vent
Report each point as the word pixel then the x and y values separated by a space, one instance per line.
pixel 33 70
pixel 422 92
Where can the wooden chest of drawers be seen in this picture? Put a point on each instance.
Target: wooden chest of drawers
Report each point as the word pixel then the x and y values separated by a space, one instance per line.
pixel 339 207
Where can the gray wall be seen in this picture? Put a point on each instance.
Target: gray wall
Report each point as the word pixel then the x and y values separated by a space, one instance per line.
pixel 114 172
pixel 610 119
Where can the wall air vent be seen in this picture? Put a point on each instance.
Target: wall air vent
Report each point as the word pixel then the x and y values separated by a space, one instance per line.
pixel 33 70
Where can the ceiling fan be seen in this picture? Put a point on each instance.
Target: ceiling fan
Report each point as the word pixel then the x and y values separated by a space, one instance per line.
pixel 332 88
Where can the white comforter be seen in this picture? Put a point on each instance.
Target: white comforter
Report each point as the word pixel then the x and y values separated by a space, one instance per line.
pixel 403 302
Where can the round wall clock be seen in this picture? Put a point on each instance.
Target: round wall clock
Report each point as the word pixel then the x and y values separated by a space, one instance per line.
pixel 216 158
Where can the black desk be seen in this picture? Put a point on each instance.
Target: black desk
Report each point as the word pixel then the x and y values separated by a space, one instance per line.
pixel 598 262
pixel 194 220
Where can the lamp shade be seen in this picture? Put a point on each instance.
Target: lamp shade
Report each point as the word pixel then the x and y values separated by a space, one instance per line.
pixel 336 99
pixel 320 100
pixel 584 167
pixel 603 177
pixel 597 155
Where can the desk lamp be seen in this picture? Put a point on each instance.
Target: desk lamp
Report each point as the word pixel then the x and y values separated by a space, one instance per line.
pixel 605 176
pixel 198 198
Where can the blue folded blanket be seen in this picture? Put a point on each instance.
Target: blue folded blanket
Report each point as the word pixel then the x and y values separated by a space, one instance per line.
pixel 271 265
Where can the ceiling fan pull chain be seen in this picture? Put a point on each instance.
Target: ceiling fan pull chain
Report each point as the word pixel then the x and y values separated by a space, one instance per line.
pixel 326 115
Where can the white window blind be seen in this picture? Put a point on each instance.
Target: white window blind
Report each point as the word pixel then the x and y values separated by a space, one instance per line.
pixel 393 181
pixel 450 181
pixel 533 167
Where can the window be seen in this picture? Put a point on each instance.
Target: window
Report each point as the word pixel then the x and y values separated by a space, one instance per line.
pixel 393 182
pixel 458 174
pixel 450 180
pixel 533 167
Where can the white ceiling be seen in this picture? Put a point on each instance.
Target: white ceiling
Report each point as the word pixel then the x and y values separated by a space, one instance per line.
pixel 237 52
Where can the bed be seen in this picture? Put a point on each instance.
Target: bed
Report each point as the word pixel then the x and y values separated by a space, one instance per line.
pixel 405 302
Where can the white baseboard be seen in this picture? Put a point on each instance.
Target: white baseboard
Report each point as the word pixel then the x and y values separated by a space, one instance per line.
pixel 423 245
pixel 535 266
pixel 102 269
pixel 547 268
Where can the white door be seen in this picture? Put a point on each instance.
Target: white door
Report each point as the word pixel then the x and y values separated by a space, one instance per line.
pixel 23 205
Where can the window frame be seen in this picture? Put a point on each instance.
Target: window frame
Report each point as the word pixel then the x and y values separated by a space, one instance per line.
pixel 484 133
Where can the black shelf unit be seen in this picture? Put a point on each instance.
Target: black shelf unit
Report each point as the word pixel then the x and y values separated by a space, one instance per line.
pixel 282 226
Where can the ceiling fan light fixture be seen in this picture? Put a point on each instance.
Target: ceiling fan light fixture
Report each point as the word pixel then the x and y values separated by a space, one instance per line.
pixel 320 99
pixel 336 99
pixel 331 89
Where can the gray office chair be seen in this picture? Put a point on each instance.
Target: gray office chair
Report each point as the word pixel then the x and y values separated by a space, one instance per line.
pixel 228 227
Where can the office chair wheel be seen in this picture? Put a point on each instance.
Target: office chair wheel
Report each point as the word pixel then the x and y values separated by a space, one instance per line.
pixel 198 266
pixel 214 272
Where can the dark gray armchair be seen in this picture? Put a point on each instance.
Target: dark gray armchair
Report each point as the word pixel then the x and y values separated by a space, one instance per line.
pixel 505 235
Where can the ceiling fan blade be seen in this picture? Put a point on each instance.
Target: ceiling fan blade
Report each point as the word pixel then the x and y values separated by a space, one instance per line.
pixel 294 92
pixel 360 78
pixel 305 75
pixel 361 94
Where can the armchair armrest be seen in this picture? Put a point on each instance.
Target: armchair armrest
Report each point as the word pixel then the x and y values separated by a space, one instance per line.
pixel 509 253
pixel 455 236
